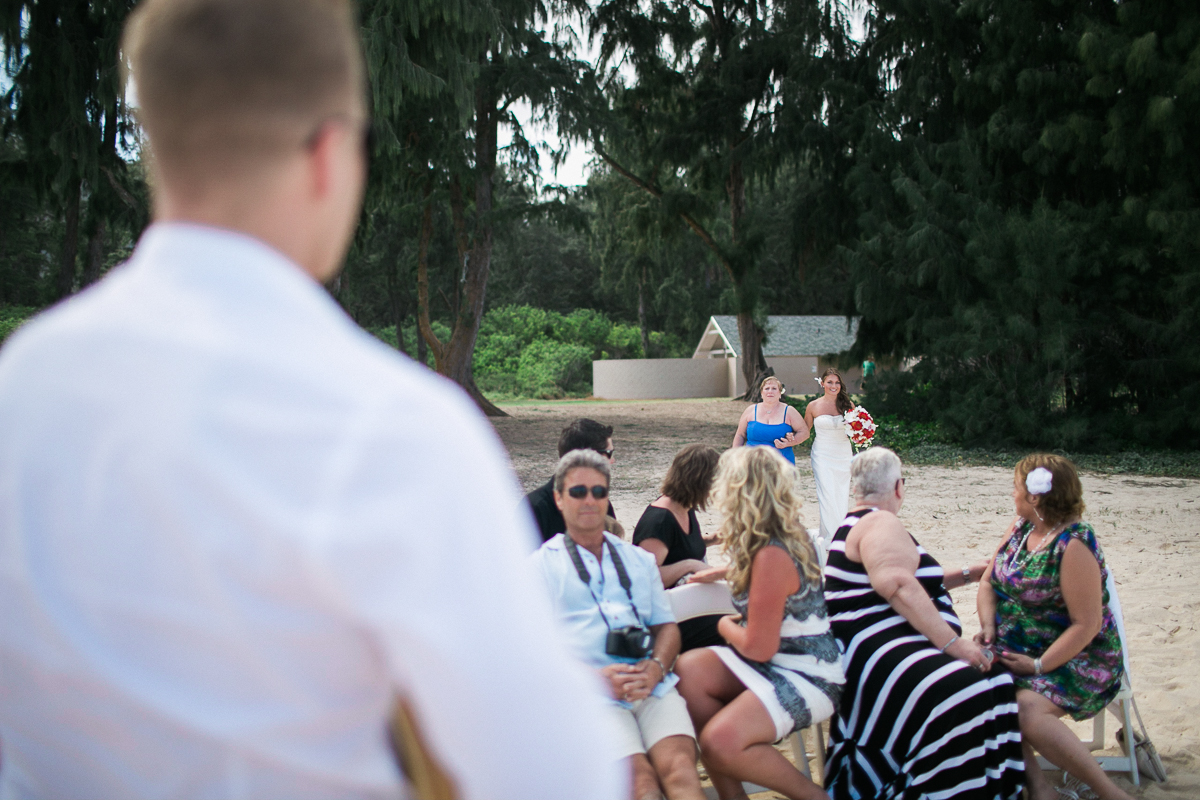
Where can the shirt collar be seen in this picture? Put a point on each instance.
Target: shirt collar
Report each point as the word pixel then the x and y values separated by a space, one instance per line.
pixel 219 259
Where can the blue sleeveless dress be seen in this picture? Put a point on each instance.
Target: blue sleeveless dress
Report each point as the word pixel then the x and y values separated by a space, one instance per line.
pixel 760 434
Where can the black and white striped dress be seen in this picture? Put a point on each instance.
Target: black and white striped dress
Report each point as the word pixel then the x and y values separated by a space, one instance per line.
pixel 913 724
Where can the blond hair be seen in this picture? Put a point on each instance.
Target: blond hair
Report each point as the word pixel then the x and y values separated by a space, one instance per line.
pixel 757 497
pixel 229 84
pixel 771 378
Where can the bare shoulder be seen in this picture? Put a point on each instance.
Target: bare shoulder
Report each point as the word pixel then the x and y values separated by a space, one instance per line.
pixel 1078 554
pixel 882 528
pixel 748 410
pixel 772 556
pixel 773 567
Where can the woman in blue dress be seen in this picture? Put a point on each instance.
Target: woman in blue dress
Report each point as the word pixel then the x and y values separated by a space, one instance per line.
pixel 772 423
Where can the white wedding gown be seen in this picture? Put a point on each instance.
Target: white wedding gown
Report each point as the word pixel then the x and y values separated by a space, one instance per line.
pixel 831 454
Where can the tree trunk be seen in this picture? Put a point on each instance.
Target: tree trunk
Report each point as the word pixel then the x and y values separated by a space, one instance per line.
pixel 65 281
pixel 398 321
pixel 456 358
pixel 642 314
pixel 754 363
pixel 95 254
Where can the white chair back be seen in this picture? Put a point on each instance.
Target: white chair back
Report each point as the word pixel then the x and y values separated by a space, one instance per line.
pixel 700 600
pixel 1114 605
pixel 820 544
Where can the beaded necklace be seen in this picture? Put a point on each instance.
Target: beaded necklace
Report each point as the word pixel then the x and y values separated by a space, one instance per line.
pixel 1021 553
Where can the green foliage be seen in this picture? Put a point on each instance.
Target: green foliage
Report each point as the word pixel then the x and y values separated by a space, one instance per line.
pixel 532 352
pixel 12 317
pixel 1030 223
pixel 524 351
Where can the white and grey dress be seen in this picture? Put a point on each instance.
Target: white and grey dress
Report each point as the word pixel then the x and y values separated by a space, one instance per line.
pixel 803 680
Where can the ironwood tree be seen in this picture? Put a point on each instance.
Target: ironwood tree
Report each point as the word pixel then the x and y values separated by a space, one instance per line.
pixel 447 80
pixel 705 103
pixel 71 126
pixel 1030 216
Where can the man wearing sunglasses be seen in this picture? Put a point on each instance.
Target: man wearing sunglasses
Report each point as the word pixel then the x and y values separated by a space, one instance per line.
pixel 582 434
pixel 617 618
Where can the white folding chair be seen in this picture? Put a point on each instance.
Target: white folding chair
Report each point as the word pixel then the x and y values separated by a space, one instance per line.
pixel 703 599
pixel 1122 706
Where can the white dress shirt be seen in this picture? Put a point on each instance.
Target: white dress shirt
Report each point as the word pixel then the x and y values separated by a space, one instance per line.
pixel 233 526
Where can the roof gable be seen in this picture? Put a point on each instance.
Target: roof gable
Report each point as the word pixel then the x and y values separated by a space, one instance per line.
pixel 790 335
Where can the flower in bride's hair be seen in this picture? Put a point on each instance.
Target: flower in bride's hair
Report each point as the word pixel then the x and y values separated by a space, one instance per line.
pixel 1039 481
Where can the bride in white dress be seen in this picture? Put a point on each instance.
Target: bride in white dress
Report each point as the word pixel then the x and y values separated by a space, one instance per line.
pixel 831 453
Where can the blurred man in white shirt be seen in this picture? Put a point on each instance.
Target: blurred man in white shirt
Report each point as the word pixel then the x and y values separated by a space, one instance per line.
pixel 234 529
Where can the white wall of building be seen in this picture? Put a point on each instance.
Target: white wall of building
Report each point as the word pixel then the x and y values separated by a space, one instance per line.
pixel 673 378
pixel 651 378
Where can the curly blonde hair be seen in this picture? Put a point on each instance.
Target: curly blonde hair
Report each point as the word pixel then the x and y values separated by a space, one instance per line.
pixel 756 495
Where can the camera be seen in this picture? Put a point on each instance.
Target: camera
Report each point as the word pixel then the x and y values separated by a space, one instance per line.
pixel 632 641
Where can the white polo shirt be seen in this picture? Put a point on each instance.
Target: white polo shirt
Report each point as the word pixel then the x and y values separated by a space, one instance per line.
pixel 233 526
pixel 579 613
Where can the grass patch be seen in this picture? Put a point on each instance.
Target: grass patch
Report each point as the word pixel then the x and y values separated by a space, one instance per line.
pixel 923 444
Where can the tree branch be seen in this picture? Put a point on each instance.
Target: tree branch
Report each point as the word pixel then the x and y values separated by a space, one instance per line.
pixel 688 219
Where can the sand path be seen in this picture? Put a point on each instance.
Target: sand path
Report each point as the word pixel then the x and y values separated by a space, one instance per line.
pixel 1149 529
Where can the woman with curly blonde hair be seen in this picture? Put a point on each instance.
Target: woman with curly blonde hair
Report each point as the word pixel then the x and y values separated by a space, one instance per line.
pixel 782 667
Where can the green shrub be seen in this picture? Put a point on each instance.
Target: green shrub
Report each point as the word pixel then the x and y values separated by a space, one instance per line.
pixel 550 369
pixel 524 351
pixel 12 317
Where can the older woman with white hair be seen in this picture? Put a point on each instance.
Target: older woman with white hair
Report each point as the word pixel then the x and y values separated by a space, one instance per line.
pixel 921 714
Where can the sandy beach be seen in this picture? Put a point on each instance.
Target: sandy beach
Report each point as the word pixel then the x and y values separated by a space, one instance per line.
pixel 1148 527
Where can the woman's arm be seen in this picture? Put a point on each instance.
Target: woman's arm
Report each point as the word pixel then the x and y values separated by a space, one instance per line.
pixel 800 427
pixel 739 438
pixel 985 598
pixel 772 578
pixel 1082 591
pixel 671 573
pixel 808 414
pixel 955 578
pixel 891 560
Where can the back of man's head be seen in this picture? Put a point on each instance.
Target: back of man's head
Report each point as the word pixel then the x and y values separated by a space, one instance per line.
pixel 584 434
pixel 226 85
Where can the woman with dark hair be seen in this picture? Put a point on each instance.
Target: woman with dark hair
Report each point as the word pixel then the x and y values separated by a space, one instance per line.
pixel 831 452
pixel 1043 605
pixel 670 532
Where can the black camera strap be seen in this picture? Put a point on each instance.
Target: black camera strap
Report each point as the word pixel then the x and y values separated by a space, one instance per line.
pixel 586 577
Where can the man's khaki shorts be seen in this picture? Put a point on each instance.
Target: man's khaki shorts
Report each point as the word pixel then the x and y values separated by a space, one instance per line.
pixel 650 721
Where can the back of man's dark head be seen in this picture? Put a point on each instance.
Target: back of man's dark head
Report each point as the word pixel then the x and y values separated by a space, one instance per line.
pixel 222 84
pixel 584 434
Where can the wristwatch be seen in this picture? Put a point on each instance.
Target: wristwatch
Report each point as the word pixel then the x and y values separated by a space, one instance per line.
pixel 966 571
pixel 665 672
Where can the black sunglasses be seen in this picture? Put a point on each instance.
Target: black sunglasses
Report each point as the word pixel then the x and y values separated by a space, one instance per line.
pixel 579 492
pixel 607 453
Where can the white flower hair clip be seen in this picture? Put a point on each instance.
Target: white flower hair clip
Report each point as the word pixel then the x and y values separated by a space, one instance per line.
pixel 1039 481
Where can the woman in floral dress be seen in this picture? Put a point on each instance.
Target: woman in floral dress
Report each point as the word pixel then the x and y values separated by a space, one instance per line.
pixel 1043 607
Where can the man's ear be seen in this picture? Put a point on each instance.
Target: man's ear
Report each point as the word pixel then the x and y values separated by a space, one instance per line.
pixel 322 157
pixel 558 500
